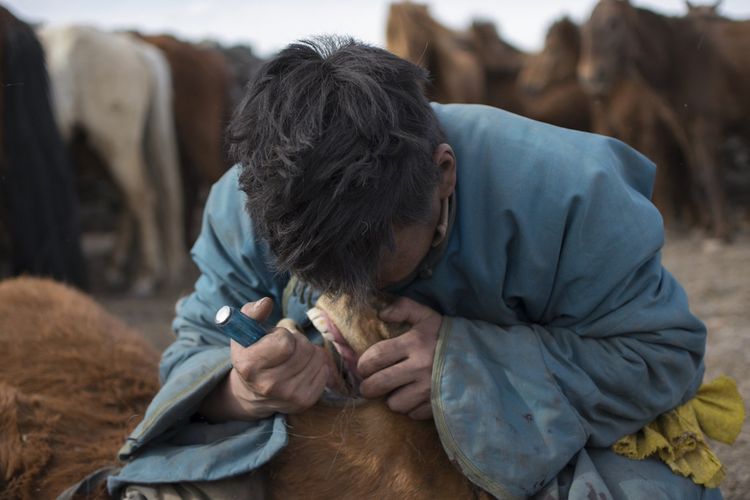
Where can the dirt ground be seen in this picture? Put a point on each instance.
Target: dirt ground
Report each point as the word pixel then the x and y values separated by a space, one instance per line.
pixel 717 279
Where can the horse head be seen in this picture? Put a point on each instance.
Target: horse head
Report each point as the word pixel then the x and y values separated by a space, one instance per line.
pixel 608 44
pixel 703 10
pixel 557 61
pixel 351 331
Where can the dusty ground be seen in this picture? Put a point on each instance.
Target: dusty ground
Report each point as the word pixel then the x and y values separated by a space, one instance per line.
pixel 716 277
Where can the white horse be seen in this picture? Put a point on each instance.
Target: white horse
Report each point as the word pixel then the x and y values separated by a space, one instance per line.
pixel 118 90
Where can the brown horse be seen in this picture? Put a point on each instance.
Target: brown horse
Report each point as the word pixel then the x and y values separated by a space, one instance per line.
pixel 685 69
pixel 200 79
pixel 73 382
pixel 243 65
pixel 359 448
pixel 550 82
pixel 631 112
pixel 456 71
pixel 477 66
pixel 502 62
pixel 635 114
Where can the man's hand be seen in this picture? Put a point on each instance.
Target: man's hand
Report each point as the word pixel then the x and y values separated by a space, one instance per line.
pixel 283 372
pixel 402 367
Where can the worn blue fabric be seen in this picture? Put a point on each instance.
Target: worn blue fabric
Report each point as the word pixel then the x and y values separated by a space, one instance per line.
pixel 562 331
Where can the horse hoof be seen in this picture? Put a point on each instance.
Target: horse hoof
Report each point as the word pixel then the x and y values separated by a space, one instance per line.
pixel 114 278
pixel 144 286
pixel 712 245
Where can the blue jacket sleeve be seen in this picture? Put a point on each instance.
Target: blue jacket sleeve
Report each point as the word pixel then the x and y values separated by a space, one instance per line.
pixel 169 445
pixel 603 340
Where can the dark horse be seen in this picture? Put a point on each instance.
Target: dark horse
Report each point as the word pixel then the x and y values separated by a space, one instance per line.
pixel 684 67
pixel 38 204
pixel 630 112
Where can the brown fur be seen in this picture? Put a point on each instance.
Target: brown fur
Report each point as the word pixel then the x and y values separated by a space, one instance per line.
pixel 73 382
pixel 363 450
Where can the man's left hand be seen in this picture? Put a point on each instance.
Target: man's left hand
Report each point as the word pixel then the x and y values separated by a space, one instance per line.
pixel 402 367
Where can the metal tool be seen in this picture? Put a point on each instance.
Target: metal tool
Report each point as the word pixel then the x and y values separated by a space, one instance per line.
pixel 243 329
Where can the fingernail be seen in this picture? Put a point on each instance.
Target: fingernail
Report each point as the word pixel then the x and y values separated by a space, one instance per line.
pixel 258 304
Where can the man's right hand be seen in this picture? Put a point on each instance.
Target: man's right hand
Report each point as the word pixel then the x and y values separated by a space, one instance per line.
pixel 281 373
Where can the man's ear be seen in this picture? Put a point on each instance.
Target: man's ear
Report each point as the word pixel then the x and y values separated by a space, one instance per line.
pixel 446 160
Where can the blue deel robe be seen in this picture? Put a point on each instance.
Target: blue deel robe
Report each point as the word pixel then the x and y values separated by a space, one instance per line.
pixel 562 331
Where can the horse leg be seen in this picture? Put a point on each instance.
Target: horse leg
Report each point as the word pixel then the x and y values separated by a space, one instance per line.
pixel 115 275
pixel 130 173
pixel 161 148
pixel 704 163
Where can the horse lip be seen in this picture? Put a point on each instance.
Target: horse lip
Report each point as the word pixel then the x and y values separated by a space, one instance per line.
pixel 593 86
pixel 347 356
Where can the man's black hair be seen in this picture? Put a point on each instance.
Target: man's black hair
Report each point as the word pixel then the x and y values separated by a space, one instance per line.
pixel 336 141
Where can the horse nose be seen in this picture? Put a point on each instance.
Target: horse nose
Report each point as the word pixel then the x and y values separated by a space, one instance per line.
pixel 585 72
pixel 593 78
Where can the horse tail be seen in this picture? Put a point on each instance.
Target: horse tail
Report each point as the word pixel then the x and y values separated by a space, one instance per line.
pixel 40 204
pixel 162 158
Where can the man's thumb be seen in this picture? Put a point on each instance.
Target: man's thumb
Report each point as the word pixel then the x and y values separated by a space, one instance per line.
pixel 258 310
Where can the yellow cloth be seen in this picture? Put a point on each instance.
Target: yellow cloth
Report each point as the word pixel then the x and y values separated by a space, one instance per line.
pixel 677 437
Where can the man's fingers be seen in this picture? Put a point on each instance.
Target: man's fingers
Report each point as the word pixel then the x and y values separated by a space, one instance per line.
pixel 274 349
pixel 258 310
pixel 381 355
pixel 293 392
pixel 423 412
pixel 309 385
pixel 384 381
pixel 409 397
pixel 306 355
pixel 404 309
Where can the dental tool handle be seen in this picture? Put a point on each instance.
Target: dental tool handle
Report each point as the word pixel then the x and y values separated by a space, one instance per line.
pixel 243 329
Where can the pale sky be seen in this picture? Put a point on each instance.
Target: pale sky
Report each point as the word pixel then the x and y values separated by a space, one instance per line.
pixel 269 25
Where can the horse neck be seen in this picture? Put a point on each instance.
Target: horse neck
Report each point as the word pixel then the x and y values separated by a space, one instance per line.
pixel 658 39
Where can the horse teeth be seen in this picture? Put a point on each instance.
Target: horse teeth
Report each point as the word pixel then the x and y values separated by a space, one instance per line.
pixel 318 320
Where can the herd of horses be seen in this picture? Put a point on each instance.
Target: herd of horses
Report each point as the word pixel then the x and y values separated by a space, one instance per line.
pixel 675 88
pixel 146 114
pixel 84 110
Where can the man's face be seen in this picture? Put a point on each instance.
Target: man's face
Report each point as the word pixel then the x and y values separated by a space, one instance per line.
pixel 412 243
